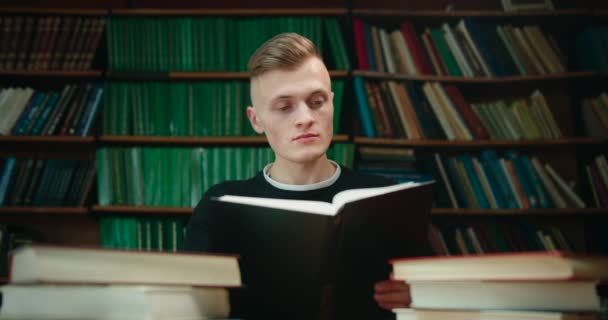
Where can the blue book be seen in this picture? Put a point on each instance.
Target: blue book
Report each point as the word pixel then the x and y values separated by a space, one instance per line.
pixel 494 187
pixel 371 58
pixel 490 48
pixel 48 108
pixel 90 112
pixel 5 178
pixel 365 114
pixel 524 179
pixel 31 111
pixel 499 176
pixel 537 184
pixel 478 191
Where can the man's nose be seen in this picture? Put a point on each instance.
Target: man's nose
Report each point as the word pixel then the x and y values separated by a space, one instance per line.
pixel 303 115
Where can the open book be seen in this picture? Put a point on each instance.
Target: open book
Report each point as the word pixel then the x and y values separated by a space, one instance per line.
pixel 337 205
pixel 289 249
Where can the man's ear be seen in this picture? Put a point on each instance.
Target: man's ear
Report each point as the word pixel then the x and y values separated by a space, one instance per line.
pixel 253 119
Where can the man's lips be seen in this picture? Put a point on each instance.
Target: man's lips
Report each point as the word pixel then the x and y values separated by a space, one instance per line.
pixel 305 136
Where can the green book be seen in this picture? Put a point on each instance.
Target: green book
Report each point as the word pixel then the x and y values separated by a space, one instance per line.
pixel 104 177
pixel 445 53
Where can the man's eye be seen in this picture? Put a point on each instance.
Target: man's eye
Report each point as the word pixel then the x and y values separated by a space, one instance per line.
pixel 317 102
pixel 285 107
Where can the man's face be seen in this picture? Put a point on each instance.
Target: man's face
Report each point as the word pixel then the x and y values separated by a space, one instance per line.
pixel 295 110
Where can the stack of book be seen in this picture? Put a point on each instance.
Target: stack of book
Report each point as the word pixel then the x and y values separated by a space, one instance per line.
pixel 49 282
pixel 533 285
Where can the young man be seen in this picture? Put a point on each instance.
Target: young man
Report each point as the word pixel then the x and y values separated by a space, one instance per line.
pixel 292 105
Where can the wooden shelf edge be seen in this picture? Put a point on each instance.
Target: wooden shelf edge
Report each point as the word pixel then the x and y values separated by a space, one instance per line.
pixel 480 143
pixel 195 75
pixel 468 13
pixel 480 80
pixel 48 139
pixel 57 11
pixel 150 140
pixel 141 210
pixel 520 212
pixel 230 12
pixel 15 210
pixel 52 73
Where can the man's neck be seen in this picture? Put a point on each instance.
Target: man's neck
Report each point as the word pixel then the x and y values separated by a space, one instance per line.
pixel 301 173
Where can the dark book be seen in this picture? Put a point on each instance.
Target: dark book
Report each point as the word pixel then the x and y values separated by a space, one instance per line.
pixel 77 52
pixel 24 46
pixel 13 44
pixel 77 102
pixel 59 111
pixel 22 179
pixel 65 33
pixel 68 49
pixel 33 185
pixel 292 252
pixel 49 46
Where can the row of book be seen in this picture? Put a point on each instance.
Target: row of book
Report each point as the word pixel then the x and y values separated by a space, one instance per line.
pixel 436 111
pixel 594 112
pixel 147 234
pixel 45 182
pixel 468 49
pixel 513 180
pixel 597 176
pixel 397 164
pixel 592 48
pixel 64 42
pixel 70 111
pixel 215 108
pixel 201 43
pixel 493 237
pixel 178 177
pixel 522 286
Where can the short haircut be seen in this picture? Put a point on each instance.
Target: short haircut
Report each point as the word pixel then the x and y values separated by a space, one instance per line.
pixel 285 51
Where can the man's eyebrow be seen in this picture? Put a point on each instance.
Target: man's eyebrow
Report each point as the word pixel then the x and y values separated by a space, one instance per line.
pixel 289 96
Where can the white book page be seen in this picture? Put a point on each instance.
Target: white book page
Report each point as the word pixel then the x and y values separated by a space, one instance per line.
pixel 315 207
pixel 320 207
pixel 343 197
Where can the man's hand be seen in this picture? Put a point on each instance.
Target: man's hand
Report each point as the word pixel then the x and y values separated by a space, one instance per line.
pixel 392 294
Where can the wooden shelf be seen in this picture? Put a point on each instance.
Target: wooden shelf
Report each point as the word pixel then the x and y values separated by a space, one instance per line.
pixel 573 212
pixel 52 73
pixel 149 140
pixel 183 75
pixel 468 13
pixel 43 211
pixel 56 11
pixel 54 140
pixel 480 143
pixel 142 210
pixel 477 80
pixel 232 12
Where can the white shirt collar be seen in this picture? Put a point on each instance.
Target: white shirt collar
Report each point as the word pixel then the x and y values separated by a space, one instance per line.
pixel 303 187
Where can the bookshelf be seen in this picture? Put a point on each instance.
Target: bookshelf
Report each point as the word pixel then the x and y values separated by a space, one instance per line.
pixel 567 154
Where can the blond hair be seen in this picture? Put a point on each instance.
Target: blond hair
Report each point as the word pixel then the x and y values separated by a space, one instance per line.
pixel 284 51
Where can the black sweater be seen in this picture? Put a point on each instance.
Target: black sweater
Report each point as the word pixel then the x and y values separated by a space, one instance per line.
pixel 276 296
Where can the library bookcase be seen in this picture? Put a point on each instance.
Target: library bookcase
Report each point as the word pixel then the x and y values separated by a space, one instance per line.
pixel 563 91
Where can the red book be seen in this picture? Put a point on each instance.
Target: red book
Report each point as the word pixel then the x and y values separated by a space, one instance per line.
pixel 409 34
pixel 360 44
pixel 473 122
pixel 520 266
